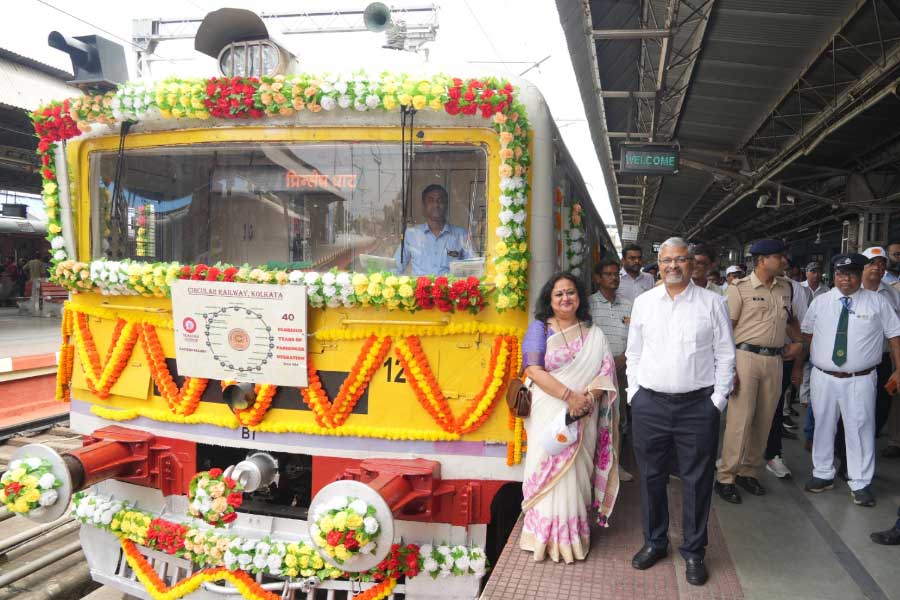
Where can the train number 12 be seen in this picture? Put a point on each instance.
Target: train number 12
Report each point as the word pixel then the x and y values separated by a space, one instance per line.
pixel 398 378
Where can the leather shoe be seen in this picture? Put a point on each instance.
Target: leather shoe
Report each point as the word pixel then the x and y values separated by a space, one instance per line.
pixel 787 434
pixel 751 484
pixel 890 537
pixel 695 571
pixel 647 557
pixel 728 492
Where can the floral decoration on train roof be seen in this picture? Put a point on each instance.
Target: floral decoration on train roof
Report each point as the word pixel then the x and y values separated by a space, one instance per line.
pixel 252 98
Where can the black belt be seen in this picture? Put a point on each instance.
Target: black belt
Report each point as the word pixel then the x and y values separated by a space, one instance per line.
pixel 761 350
pixel 683 395
pixel 843 375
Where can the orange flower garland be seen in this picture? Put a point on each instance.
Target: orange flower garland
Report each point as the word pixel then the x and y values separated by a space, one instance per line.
pixel 100 378
pixel 334 413
pixel 156 587
pixel 253 415
pixel 183 401
pixel 66 358
pixel 378 592
pixel 428 393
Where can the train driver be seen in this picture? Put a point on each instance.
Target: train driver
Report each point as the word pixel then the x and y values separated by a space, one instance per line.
pixel 432 245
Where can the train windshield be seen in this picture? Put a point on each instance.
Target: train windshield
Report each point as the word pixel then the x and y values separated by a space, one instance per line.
pixel 293 206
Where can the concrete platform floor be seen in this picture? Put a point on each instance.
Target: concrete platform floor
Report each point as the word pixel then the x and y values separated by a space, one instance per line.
pixel 22 335
pixel 788 544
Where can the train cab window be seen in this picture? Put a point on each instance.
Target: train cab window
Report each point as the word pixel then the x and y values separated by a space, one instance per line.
pixel 294 206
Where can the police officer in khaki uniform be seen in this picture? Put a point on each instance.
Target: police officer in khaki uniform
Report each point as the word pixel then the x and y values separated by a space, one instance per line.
pixel 760 310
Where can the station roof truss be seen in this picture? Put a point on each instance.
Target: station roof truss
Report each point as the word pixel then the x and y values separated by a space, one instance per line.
pixel 774 104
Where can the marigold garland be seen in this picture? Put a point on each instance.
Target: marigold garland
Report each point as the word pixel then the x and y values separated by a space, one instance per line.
pixel 379 591
pixel 66 358
pixel 397 331
pixel 253 415
pixel 333 414
pixel 282 426
pixel 100 378
pixel 427 391
pixel 183 400
pixel 156 587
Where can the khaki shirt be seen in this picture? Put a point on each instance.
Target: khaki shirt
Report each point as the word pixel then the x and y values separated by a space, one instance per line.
pixel 760 313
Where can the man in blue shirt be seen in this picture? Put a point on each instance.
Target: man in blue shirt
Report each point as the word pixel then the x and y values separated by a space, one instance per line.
pixel 431 245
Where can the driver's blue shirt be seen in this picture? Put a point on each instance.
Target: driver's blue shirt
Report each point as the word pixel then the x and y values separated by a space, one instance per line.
pixel 431 255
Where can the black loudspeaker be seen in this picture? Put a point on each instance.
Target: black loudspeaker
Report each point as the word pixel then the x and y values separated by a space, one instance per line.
pixel 98 63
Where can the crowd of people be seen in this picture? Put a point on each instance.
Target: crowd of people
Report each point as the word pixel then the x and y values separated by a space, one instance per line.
pixel 14 274
pixel 661 358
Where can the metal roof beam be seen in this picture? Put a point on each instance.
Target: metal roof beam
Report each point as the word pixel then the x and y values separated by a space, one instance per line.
pixel 628 134
pixel 623 94
pixel 630 34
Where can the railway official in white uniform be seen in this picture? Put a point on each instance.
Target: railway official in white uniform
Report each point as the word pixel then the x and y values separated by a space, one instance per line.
pixel 845 329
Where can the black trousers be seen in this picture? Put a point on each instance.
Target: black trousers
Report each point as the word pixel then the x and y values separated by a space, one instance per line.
pixel 773 445
pixel 687 429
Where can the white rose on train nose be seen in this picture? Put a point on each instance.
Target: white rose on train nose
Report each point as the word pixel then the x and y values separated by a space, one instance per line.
pixel 503 232
pixel 372 101
pixel 46 481
pixel 506 216
pixel 274 564
pixel 339 502
pixel 359 506
pixel 575 234
pixel 260 561
pixel 425 550
pixel 244 559
pixel 311 278
pixel 430 565
pixel 295 277
pixel 328 278
pixel 60 255
pixel 229 559
pixel 519 217
pixel 462 562
pixel 370 525
pixel 344 101
pixel 57 242
pixel 33 462
pixel 328 103
pixel 50 497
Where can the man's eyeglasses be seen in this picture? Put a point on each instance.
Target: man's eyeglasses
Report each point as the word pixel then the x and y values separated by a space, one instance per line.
pixel 681 260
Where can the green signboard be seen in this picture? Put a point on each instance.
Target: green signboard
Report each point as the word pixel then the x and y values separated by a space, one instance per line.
pixel 649 159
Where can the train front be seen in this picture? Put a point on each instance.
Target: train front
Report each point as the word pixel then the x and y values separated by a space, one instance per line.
pixel 288 368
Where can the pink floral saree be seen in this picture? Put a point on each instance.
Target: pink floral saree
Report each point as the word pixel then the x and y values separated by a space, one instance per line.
pixel 560 491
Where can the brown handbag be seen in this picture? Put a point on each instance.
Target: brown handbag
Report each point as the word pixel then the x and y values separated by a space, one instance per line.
pixel 518 398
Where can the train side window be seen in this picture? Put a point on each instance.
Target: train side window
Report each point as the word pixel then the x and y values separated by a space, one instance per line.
pixel 311 206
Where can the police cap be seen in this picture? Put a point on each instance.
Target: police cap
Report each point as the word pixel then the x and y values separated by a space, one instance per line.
pixel 851 261
pixel 813 266
pixel 767 247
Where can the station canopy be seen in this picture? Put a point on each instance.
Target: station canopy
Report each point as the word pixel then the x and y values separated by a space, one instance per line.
pixel 785 113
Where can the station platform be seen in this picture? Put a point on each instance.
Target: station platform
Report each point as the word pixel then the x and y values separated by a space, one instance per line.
pixel 22 335
pixel 788 544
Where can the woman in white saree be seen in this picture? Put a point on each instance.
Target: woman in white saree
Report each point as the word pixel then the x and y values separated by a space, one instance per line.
pixel 572 369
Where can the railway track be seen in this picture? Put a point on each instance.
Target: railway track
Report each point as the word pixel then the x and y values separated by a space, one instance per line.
pixel 40 562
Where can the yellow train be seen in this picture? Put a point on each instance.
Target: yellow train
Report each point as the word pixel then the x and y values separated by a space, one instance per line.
pixel 188 216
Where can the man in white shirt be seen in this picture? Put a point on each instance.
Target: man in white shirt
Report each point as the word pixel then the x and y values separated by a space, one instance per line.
pixel 872 280
pixel 814 281
pixel 845 329
pixel 612 313
pixel 680 367
pixel 634 282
